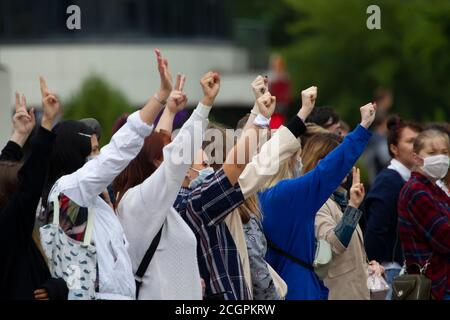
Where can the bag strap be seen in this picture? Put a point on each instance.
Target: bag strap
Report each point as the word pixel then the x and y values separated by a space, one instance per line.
pixel 280 251
pixel 90 220
pixel 143 266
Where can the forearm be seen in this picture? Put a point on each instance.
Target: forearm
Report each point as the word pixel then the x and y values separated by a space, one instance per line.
pixel 19 138
pixel 241 154
pixel 347 225
pixel 97 174
pixel 166 121
pixel 152 108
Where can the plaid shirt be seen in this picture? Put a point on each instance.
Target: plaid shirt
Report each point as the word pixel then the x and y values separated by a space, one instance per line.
pixel 424 229
pixel 204 210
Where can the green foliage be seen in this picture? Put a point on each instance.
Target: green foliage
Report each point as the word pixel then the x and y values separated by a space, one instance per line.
pixel 97 99
pixel 330 46
pixel 410 54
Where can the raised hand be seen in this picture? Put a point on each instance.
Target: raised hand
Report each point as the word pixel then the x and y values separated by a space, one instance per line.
pixel 210 83
pixel 164 75
pixel 177 99
pixel 309 97
pixel 266 104
pixel 50 105
pixel 23 121
pixel 368 113
pixel 260 86
pixel 357 191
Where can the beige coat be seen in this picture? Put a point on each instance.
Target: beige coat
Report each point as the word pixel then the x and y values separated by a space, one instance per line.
pixel 347 276
pixel 280 147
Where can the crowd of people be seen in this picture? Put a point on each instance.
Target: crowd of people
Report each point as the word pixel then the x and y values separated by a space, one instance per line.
pixel 271 215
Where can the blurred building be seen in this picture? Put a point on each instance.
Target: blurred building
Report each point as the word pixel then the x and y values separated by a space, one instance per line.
pixel 116 41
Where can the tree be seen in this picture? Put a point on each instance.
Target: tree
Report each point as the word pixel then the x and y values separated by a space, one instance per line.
pixel 98 99
pixel 333 49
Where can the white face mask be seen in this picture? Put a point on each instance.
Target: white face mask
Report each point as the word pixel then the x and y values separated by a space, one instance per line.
pixel 298 168
pixel 436 167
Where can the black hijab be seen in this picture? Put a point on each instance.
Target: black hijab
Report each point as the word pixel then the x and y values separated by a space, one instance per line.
pixel 70 149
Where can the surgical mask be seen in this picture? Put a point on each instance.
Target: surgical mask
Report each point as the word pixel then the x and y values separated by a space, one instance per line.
pixel 298 168
pixel 202 174
pixel 89 158
pixel 436 167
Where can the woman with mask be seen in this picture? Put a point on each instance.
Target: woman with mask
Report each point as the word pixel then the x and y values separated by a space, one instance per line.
pixel 74 186
pixel 208 197
pixel 337 223
pixel 146 191
pixel 245 223
pixel 380 206
pixel 24 274
pixel 290 202
pixel 424 212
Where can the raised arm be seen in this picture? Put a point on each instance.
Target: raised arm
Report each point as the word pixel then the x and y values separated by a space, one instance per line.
pixel 85 184
pixel 165 123
pixel 318 184
pixel 241 153
pixel 150 201
pixel 23 124
pixel 19 212
pixel 280 147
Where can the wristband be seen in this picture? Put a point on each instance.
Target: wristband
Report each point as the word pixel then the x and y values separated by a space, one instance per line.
pixel 261 121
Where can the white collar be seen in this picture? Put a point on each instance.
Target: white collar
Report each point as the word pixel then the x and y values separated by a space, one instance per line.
pixel 402 170
pixel 442 185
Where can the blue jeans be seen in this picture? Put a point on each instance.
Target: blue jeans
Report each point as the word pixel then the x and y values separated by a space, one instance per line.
pixel 391 274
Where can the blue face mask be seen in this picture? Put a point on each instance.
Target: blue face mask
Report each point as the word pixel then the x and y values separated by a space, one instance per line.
pixel 202 174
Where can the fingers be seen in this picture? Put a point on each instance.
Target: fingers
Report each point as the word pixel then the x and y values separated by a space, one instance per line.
pixel 32 115
pixel 22 114
pixel 210 79
pixel 158 56
pixel 23 102
pixel 40 294
pixel 273 100
pixel 356 176
pixel 178 81
pixel 51 99
pixel 182 82
pixel 43 86
pixel 265 99
pixel 17 105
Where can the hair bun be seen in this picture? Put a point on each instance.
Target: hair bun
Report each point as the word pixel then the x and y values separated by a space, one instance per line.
pixel 393 122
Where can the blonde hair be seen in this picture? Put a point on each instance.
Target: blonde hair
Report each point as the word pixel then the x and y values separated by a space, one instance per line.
pixel 419 142
pixel 250 205
pixel 317 148
pixel 284 172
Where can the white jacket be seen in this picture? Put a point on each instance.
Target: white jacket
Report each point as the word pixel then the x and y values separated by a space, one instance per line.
pixel 116 278
pixel 173 272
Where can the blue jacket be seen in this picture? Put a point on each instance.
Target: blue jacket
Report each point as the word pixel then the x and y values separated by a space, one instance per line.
pixel 380 210
pixel 290 209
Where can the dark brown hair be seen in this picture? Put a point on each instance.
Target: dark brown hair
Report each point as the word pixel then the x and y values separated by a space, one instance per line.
pixel 143 166
pixel 395 126
pixel 8 181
